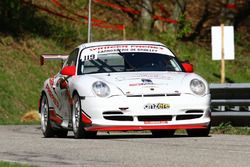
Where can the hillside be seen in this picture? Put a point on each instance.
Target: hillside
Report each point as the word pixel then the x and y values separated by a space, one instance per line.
pixel 21 76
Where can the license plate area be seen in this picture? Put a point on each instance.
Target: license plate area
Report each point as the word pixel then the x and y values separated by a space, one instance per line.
pixel 156 106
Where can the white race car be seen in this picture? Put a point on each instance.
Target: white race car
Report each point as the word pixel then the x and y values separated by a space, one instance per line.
pixel 123 86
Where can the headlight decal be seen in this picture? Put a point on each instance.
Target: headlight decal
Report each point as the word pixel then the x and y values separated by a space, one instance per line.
pixel 101 89
pixel 198 87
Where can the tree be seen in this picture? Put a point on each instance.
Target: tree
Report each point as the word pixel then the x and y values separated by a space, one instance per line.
pixel 146 18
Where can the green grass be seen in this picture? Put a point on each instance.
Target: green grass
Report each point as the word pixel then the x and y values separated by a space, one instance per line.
pixel 21 76
pixel 227 128
pixel 237 71
pixel 13 164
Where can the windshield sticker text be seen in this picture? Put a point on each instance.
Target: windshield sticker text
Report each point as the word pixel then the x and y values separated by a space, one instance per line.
pixel 123 49
pixel 89 57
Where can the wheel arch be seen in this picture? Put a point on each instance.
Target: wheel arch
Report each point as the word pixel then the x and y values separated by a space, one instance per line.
pixel 43 92
pixel 40 100
pixel 74 92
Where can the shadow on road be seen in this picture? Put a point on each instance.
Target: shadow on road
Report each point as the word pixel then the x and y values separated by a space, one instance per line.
pixel 129 136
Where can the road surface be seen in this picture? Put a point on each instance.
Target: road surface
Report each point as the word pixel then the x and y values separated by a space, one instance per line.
pixel 25 144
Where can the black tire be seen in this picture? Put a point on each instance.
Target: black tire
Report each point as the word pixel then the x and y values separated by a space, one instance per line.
pixel 163 133
pixel 45 121
pixel 63 133
pixel 199 132
pixel 78 125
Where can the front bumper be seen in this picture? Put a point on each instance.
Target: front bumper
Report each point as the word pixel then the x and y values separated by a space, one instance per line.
pixel 128 113
pixel 153 127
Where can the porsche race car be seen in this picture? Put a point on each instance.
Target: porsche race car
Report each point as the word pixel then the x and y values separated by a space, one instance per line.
pixel 123 86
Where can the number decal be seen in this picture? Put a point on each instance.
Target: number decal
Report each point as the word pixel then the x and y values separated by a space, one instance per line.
pixel 89 57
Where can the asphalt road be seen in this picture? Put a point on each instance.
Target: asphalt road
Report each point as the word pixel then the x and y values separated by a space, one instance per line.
pixel 26 144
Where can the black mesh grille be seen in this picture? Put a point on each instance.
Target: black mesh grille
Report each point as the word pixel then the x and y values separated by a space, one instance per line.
pixel 185 117
pixel 194 111
pixel 155 95
pixel 112 112
pixel 119 118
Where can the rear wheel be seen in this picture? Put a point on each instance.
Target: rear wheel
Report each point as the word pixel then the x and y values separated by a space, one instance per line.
pixel 78 125
pixel 45 121
pixel 199 132
pixel 163 133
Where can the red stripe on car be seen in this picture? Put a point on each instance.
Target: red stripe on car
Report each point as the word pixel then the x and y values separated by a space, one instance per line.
pixel 160 127
pixel 54 117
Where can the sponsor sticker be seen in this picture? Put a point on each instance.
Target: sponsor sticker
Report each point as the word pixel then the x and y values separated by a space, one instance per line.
pixel 91 53
pixel 135 84
pixel 156 106
pixel 144 82
pixel 51 82
pixel 155 122
pixel 147 81
pixel 52 96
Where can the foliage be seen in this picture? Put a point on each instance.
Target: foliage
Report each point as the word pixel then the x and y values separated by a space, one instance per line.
pixel 227 128
pixel 184 27
pixel 17 18
pixel 21 76
pixel 13 164
pixel 20 19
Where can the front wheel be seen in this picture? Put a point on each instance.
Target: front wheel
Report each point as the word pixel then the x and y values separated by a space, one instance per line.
pixel 78 125
pixel 45 121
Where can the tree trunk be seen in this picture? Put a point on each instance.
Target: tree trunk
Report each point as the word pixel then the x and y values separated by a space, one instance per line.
pixel 146 20
pixel 179 9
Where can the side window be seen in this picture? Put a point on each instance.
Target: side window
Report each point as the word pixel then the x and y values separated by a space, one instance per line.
pixel 72 58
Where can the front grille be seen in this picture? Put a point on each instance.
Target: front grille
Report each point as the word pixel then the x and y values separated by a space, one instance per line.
pixel 185 117
pixel 174 94
pixel 194 111
pixel 119 118
pixel 155 118
pixel 154 95
pixel 134 95
pixel 112 112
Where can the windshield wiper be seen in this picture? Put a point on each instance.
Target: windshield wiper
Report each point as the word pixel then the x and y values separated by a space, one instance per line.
pixel 106 65
pixel 102 65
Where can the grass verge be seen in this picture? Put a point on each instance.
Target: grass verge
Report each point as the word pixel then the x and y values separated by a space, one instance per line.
pixel 14 164
pixel 227 128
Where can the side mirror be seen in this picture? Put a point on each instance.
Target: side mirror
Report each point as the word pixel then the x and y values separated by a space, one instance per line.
pixel 68 70
pixel 188 67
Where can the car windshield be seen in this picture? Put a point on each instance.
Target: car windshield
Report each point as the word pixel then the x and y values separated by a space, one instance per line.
pixel 131 61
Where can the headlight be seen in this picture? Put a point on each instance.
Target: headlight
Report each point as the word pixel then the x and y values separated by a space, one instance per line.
pixel 198 87
pixel 101 89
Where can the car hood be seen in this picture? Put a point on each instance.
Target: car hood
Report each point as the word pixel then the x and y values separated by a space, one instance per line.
pixel 144 82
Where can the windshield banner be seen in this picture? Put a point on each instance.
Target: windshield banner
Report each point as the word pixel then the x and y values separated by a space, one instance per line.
pixel 92 53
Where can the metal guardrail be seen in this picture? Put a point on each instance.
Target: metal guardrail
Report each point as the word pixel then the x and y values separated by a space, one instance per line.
pixel 230 103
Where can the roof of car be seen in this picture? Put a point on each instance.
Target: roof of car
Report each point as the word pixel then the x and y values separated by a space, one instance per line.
pixel 85 45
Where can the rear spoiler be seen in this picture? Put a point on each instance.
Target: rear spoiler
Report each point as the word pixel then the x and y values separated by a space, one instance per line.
pixel 52 57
